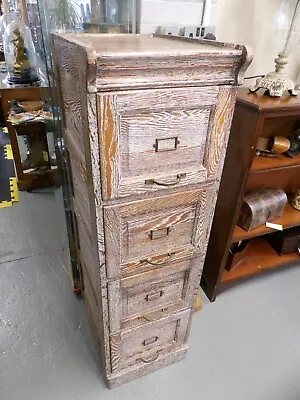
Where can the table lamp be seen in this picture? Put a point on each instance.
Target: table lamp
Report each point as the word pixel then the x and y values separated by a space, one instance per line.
pixel 288 26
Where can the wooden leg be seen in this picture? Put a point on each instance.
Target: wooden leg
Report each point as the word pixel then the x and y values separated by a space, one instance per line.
pixel 198 302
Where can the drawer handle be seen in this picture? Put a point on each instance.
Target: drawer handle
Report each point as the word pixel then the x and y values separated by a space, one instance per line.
pixel 154 296
pixel 166 144
pixel 152 340
pixel 154 182
pixel 154 316
pixel 159 262
pixel 149 360
pixel 159 233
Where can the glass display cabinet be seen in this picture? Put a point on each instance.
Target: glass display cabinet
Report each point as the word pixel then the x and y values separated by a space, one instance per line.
pixel 44 17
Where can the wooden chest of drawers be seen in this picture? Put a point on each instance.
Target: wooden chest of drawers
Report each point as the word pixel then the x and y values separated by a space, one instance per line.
pixel 145 124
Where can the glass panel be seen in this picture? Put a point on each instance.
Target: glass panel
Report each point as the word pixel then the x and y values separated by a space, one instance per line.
pixel 73 16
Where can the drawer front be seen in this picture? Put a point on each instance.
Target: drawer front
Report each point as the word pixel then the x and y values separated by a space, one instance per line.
pixel 152 295
pixel 145 344
pixel 152 232
pixel 154 139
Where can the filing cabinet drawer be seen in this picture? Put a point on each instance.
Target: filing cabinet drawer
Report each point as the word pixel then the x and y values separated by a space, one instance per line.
pixel 154 139
pixel 145 344
pixel 152 295
pixel 172 226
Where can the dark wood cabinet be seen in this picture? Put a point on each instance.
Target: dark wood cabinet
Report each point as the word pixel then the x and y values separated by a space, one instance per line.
pixel 256 116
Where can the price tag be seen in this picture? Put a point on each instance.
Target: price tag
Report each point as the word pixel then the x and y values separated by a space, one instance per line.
pixel 277 227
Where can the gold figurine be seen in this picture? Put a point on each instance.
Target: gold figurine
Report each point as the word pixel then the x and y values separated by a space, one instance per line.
pixel 21 61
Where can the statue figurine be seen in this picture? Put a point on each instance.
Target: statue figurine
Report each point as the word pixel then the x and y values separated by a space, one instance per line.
pixel 21 70
pixel 294 149
pixel 21 62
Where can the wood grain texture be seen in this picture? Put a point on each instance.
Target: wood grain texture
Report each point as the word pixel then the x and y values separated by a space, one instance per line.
pixel 146 125
pixel 145 344
pixel 219 131
pixel 74 69
pixel 142 61
pixel 128 228
pixel 97 229
pixel 226 211
pixel 131 133
pixel 255 116
pixel 34 179
pixel 150 296
pixel 136 371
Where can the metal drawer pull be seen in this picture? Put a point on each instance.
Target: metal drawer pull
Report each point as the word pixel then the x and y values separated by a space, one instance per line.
pixel 154 316
pixel 149 360
pixel 154 296
pixel 154 182
pixel 159 233
pixel 159 262
pixel 147 342
pixel 166 144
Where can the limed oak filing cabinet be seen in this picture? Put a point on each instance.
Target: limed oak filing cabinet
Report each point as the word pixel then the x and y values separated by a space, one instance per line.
pixel 145 122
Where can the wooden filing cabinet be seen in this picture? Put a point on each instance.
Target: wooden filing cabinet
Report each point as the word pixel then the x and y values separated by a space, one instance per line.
pixel 146 121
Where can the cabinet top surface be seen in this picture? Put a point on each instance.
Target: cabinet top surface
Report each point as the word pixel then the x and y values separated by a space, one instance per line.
pixel 263 103
pixel 113 45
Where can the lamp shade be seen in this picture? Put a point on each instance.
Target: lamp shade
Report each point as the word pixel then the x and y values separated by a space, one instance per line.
pixel 19 53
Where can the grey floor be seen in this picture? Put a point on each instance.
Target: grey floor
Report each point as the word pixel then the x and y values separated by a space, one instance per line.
pixel 245 346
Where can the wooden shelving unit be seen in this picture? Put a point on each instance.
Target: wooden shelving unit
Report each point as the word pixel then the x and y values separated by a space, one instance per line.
pixel 281 161
pixel 258 258
pixel 256 115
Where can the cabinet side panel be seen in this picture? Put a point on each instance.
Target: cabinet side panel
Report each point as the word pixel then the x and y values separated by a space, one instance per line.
pixel 241 148
pixel 94 178
pixel 74 70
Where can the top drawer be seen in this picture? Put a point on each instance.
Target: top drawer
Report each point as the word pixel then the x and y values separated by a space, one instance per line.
pixel 154 139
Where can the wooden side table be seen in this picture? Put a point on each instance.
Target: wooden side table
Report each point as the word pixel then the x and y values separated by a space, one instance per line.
pixel 256 116
pixel 34 179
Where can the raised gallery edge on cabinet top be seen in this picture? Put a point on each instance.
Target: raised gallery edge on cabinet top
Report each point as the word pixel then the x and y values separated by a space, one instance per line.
pixel 134 61
pixel 132 45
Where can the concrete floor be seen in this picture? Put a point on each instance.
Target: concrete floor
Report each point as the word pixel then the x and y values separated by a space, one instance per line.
pixel 245 346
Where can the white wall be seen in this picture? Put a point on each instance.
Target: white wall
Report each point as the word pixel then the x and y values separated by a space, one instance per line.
pixel 169 13
pixel 253 22
pixel 239 21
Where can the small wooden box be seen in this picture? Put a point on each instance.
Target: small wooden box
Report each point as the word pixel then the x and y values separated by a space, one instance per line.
pixel 284 242
pixel 261 206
